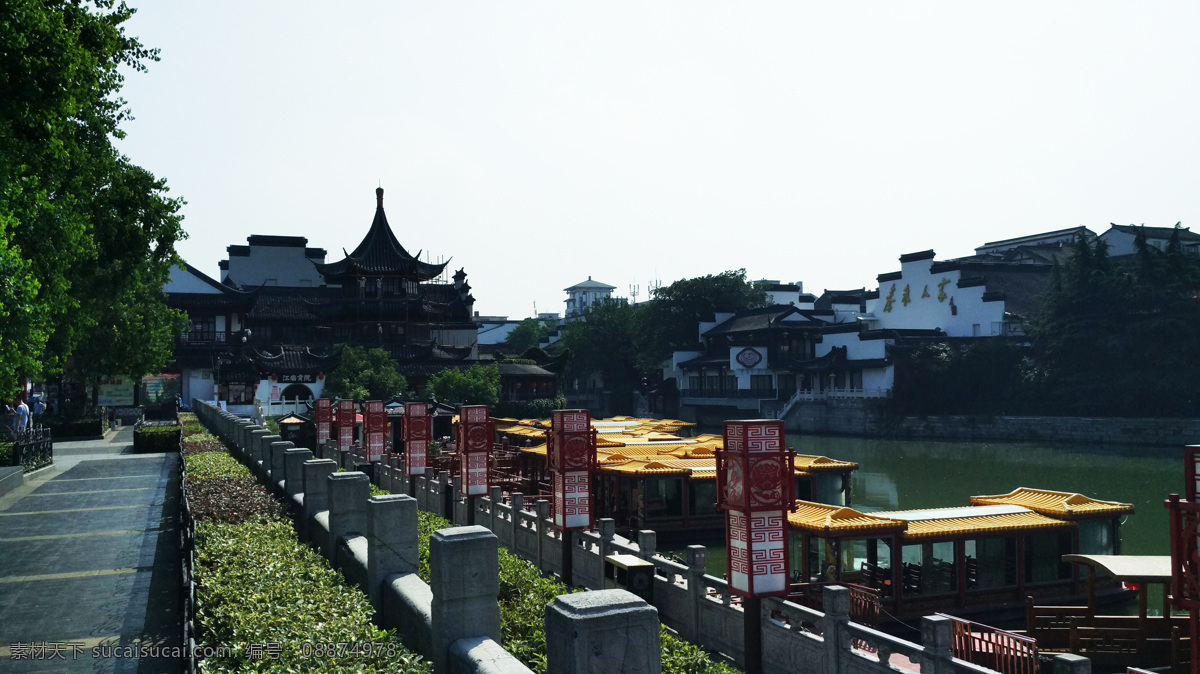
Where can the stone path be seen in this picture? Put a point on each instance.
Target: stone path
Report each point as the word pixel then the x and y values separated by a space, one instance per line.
pixel 90 569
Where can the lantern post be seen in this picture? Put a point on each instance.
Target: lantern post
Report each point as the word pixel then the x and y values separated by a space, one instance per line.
pixel 417 434
pixel 375 427
pixel 755 489
pixel 345 424
pixel 475 433
pixel 1184 517
pixel 323 410
pixel 571 458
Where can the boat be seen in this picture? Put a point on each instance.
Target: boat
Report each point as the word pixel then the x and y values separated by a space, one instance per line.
pixel 986 557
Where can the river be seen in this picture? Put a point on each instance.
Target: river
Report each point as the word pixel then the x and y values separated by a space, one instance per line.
pixel 911 474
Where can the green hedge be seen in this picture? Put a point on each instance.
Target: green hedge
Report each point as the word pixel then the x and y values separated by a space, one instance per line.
pixel 89 427
pixel 156 439
pixel 524 593
pixel 201 443
pixel 6 454
pixel 214 464
pixel 257 585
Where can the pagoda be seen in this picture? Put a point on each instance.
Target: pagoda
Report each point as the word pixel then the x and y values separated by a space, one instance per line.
pixel 388 298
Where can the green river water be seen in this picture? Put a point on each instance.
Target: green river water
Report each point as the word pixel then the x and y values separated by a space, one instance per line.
pixel 911 474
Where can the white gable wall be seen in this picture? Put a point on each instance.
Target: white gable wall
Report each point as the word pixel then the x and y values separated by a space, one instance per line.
pixel 183 280
pixel 973 318
pixel 274 265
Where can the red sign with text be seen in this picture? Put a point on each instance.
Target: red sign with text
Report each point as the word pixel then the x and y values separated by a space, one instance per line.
pixel 345 422
pixel 571 458
pixel 475 433
pixel 323 408
pixel 375 425
pixel 417 434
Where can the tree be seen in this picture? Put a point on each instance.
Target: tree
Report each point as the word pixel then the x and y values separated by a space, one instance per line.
pixel 91 229
pixel 605 344
pixel 670 320
pixel 528 334
pixel 478 385
pixel 364 375
pixel 1118 337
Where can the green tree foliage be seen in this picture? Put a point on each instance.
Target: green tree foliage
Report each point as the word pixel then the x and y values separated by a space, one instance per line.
pixel 606 344
pixel 478 385
pixel 1119 337
pixel 94 234
pixel 528 334
pixel 965 376
pixel 669 321
pixel 364 375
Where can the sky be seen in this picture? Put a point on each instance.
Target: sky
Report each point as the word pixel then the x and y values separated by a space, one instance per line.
pixel 537 144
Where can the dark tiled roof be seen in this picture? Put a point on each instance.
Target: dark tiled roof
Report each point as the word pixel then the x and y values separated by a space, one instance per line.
pixel 281 307
pixel 766 318
pixel 914 257
pixel 523 370
pixel 1185 234
pixel 380 253
pixel 706 360
pixel 277 241
pixel 295 360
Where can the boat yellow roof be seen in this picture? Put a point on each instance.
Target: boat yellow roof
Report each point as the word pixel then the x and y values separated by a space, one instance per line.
pixel 635 467
pixel 918 525
pixel 839 521
pixel 821 464
pixel 981 525
pixel 1059 504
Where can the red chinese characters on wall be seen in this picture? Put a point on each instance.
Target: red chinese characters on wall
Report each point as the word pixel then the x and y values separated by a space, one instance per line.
pixel 475 433
pixel 375 427
pixel 417 434
pixel 323 408
pixel 754 488
pixel 346 421
pixel 571 458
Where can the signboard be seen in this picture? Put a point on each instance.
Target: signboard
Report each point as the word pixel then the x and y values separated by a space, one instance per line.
pixel 375 429
pixel 160 390
pixel 475 433
pixel 417 434
pixel 571 458
pixel 345 422
pixel 754 488
pixel 296 378
pixel 323 407
pixel 115 391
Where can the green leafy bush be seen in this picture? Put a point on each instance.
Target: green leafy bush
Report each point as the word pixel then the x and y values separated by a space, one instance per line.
pixel 156 439
pixel 231 500
pixel 62 428
pixel 195 428
pixel 6 454
pixel 186 418
pixel 201 443
pixel 524 593
pixel 257 585
pixel 213 464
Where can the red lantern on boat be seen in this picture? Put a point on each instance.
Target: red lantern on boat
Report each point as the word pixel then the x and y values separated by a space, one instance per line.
pixel 571 458
pixel 417 434
pixel 475 433
pixel 755 489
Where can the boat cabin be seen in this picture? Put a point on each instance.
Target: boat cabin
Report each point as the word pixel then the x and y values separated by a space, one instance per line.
pixel 994 552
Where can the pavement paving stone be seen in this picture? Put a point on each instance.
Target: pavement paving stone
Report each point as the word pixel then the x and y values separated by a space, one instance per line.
pixel 91 563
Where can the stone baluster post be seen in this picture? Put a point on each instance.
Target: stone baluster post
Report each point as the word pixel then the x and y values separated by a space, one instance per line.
pixel 348 494
pixel 464 569
pixel 391 540
pixel 602 632
pixel 316 498
pixel 697 559
pixel 836 600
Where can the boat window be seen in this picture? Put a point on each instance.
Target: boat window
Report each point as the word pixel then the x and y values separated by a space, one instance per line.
pixel 804 489
pixel 1043 557
pixel 703 498
pixel 821 554
pixel 929 568
pixel 876 569
pixel 1096 537
pixel 663 498
pixel 991 562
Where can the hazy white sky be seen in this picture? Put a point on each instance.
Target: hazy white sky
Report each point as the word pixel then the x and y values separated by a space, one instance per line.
pixel 539 143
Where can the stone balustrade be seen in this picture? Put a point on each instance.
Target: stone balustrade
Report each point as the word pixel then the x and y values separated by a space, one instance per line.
pixel 372 540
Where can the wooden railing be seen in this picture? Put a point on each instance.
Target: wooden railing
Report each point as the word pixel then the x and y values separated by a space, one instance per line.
pixel 864 601
pixel 993 648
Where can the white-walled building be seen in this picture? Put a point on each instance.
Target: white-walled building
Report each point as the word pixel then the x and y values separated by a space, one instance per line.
pixel 1120 239
pixel 581 297
pixel 273 261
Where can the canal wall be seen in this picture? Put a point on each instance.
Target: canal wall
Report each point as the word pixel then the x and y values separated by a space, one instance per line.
pixel 869 417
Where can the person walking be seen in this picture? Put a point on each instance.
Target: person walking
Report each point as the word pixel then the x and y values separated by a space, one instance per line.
pixel 21 421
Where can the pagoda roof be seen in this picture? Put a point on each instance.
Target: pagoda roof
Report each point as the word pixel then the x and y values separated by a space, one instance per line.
pixel 380 254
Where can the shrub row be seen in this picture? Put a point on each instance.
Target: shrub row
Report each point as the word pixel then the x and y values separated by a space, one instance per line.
pixel 156 439
pixel 61 428
pixel 524 593
pixel 257 585
pixel 195 428
pixel 214 464
pixel 201 443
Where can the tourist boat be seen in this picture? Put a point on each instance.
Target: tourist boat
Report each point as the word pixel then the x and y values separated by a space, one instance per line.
pixel 985 557
pixel 651 475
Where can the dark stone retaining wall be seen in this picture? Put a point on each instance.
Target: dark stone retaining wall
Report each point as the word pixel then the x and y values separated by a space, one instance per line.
pixel 862 417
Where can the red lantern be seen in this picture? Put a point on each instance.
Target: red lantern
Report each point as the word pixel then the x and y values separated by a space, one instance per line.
pixel 475 433
pixel 571 458
pixel 755 489
pixel 345 423
pixel 323 408
pixel 417 434
pixel 376 429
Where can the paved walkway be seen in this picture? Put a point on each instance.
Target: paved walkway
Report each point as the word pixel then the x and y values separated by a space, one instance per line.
pixel 90 569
